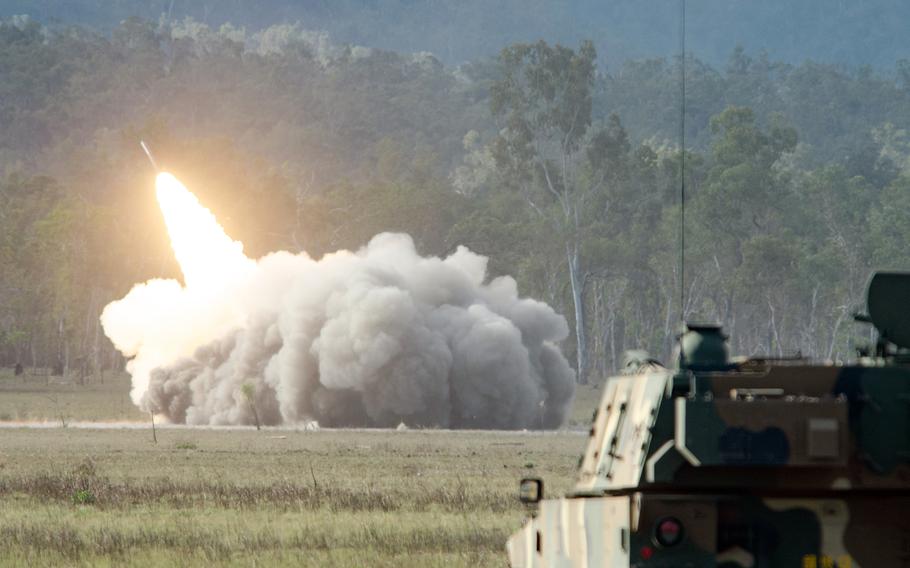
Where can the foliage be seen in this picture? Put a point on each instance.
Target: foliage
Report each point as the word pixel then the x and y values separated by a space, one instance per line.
pixel 849 33
pixel 83 497
pixel 564 173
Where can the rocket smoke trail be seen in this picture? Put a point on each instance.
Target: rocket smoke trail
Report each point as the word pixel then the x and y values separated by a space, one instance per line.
pixel 367 338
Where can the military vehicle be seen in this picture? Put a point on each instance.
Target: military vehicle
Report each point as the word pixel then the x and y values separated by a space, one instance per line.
pixel 742 462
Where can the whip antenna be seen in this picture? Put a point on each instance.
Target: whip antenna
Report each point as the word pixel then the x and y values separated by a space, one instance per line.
pixel 682 161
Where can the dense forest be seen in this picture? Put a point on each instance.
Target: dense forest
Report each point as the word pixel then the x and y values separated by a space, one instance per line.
pixel 849 32
pixel 565 172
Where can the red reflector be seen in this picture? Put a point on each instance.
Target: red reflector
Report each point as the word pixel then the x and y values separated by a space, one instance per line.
pixel 646 552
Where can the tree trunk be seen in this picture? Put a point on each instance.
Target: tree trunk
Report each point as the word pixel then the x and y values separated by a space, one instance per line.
pixel 599 331
pixel 581 343
pixel 775 332
pixel 837 324
pixel 612 330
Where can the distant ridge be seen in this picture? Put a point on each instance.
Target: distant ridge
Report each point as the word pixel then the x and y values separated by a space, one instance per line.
pixel 833 31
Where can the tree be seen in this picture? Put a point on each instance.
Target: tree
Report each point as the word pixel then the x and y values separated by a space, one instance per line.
pixel 549 151
pixel 743 197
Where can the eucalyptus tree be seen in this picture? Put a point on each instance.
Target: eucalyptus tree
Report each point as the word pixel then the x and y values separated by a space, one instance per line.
pixel 743 194
pixel 551 152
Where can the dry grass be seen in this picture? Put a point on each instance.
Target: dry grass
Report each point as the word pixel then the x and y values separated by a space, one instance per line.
pixel 40 397
pixel 280 495
pixel 150 535
pixel 110 497
pixel 330 498
pixel 52 399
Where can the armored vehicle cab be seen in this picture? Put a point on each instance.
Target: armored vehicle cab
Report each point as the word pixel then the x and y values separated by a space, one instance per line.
pixel 743 462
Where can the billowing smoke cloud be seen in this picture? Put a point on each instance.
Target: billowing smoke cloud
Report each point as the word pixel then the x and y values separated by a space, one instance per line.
pixel 370 338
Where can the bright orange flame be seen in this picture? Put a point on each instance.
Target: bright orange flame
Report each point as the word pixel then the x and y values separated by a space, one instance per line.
pixel 208 258
pixel 160 321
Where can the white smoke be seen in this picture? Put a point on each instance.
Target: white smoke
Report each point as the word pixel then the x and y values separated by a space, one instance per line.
pixel 376 337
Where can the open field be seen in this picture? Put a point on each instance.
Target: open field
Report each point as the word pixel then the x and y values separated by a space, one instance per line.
pixel 112 497
pixel 41 398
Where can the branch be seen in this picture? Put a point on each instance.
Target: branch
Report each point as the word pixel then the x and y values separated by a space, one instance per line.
pixel 534 206
pixel 546 172
pixel 565 142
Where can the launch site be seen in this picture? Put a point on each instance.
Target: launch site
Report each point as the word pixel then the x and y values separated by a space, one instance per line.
pixel 549 283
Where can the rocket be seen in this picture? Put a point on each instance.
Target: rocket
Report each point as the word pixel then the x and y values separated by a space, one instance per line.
pixel 148 153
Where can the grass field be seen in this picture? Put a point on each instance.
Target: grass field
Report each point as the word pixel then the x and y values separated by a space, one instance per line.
pixel 49 399
pixel 111 497
pixel 45 398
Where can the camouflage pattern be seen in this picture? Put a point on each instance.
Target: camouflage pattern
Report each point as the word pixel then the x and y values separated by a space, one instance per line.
pixel 749 463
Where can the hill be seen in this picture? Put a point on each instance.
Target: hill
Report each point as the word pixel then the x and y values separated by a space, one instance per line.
pixel 851 33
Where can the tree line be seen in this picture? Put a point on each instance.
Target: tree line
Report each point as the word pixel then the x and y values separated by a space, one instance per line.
pixel 567 177
pixel 850 32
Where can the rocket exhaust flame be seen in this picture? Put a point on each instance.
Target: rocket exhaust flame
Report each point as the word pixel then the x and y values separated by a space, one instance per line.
pixel 367 338
pixel 207 257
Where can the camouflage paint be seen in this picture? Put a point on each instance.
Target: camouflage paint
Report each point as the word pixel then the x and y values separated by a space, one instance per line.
pixel 762 462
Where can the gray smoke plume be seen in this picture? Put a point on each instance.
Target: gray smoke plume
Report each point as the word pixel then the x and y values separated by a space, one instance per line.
pixel 372 338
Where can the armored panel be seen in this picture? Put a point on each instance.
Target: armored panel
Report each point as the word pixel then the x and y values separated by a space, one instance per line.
pixel 574 532
pixel 824 439
pixel 748 530
pixel 762 432
pixel 621 433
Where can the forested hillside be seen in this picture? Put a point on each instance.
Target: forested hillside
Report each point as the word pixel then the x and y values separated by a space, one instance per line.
pixel 798 175
pixel 849 32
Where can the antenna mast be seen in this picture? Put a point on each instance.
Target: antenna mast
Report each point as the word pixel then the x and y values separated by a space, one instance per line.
pixel 682 161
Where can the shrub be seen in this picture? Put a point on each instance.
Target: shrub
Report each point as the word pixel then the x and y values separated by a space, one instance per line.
pixel 83 497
